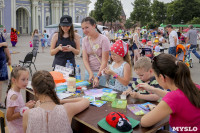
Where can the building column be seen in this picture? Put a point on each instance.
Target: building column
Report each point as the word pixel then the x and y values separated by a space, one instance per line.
pixel 71 8
pixel 42 17
pixel 33 16
pixel 13 13
pixel 36 17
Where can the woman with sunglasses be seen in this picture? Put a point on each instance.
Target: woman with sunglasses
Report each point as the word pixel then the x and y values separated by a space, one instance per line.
pixel 182 103
pixel 65 44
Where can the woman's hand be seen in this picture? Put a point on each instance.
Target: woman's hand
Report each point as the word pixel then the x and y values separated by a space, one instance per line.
pixel 60 47
pixel 145 86
pixel 91 77
pixel 68 48
pixel 96 82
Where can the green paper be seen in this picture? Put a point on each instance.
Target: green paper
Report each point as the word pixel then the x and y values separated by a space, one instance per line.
pixel 119 103
pixel 103 124
pixel 109 96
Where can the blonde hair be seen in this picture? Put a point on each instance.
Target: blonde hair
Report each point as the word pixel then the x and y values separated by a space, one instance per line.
pixel 127 58
pixel 143 63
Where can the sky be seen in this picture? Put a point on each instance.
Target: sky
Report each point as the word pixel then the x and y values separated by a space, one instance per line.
pixel 128 8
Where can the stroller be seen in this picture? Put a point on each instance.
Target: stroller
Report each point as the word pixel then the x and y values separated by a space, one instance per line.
pixel 183 54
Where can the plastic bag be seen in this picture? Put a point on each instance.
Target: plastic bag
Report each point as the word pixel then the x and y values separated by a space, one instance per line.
pixel 31 45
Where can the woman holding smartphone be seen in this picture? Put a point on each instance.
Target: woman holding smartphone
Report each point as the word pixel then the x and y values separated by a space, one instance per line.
pixel 66 43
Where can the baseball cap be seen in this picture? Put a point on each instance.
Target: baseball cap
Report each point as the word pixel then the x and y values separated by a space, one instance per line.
pixel 66 20
pixel 116 122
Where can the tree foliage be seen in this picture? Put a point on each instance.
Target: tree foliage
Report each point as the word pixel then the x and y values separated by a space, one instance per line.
pixel 98 14
pixel 182 11
pixel 195 20
pixel 111 10
pixel 141 11
pixel 128 24
pixel 159 12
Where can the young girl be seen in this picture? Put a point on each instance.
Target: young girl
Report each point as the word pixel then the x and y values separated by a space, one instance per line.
pixel 14 100
pixel 120 70
pixel 50 116
pixel 13 37
pixel 36 39
pixel 136 44
pixel 182 103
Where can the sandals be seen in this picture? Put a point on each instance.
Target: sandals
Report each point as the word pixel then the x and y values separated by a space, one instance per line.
pixel 2 106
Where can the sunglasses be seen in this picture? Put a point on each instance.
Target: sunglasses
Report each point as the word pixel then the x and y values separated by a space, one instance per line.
pixel 154 63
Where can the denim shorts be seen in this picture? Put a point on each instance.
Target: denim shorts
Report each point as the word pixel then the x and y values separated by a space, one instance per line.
pixel 102 80
pixel 134 46
pixel 172 50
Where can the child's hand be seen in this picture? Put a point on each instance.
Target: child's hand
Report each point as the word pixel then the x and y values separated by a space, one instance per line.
pixel 145 86
pixel 134 94
pixel 151 106
pixel 127 92
pixel 37 104
pixel 95 82
pixel 30 104
pixel 108 71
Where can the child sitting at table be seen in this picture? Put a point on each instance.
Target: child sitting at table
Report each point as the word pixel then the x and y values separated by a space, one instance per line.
pixel 49 115
pixel 182 103
pixel 120 69
pixel 143 68
pixel 14 100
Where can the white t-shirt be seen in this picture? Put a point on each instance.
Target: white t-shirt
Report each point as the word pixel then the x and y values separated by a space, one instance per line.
pixel 171 38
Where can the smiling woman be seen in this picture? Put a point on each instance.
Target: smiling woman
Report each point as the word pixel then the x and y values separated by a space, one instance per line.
pixel 65 44
pixel 95 52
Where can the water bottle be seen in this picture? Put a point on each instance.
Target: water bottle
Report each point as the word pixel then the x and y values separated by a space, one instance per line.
pixel 67 64
pixel 78 72
pixel 71 67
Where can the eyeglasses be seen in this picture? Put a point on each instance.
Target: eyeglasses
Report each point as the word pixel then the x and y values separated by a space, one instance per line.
pixel 156 68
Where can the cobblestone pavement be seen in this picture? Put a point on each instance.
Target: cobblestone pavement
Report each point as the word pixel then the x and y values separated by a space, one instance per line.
pixel 44 60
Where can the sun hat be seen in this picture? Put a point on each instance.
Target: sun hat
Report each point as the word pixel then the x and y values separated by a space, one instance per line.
pixel 116 122
pixel 66 20
pixel 156 40
pixel 120 48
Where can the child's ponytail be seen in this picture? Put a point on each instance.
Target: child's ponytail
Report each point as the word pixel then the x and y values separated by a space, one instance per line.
pixel 184 82
pixel 9 87
pixel 127 58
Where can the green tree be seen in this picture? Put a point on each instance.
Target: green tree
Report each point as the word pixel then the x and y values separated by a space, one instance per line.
pixel 159 12
pixel 182 11
pixel 91 14
pixel 98 14
pixel 128 24
pixel 111 10
pixel 141 11
pixel 195 20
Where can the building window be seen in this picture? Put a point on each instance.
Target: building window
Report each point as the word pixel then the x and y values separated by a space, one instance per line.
pixel 77 19
pixel 47 20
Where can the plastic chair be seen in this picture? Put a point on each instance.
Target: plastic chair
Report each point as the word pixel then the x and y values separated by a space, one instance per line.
pixel 27 61
pixel 34 51
pixel 4 129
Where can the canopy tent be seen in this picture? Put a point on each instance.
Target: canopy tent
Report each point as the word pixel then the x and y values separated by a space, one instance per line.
pixel 181 25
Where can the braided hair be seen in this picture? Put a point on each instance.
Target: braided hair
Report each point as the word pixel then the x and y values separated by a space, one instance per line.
pixel 43 84
pixel 14 74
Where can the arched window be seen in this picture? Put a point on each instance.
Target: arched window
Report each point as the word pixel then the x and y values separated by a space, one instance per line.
pixel 47 20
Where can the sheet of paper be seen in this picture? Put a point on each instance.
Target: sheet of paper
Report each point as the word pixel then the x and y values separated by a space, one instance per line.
pixel 63 95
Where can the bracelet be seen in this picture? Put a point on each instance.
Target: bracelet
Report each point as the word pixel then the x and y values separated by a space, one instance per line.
pixel 115 76
pixel 22 110
pixel 98 77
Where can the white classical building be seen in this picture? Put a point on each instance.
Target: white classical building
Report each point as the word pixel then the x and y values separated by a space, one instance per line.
pixel 27 15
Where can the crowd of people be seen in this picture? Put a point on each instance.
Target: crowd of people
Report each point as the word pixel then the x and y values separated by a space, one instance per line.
pixel 161 77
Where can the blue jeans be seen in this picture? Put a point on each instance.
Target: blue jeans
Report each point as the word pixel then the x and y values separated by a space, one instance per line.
pixel 102 80
pixel 172 50
pixel 193 48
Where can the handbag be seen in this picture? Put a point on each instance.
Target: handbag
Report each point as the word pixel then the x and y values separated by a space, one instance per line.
pixel 31 45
